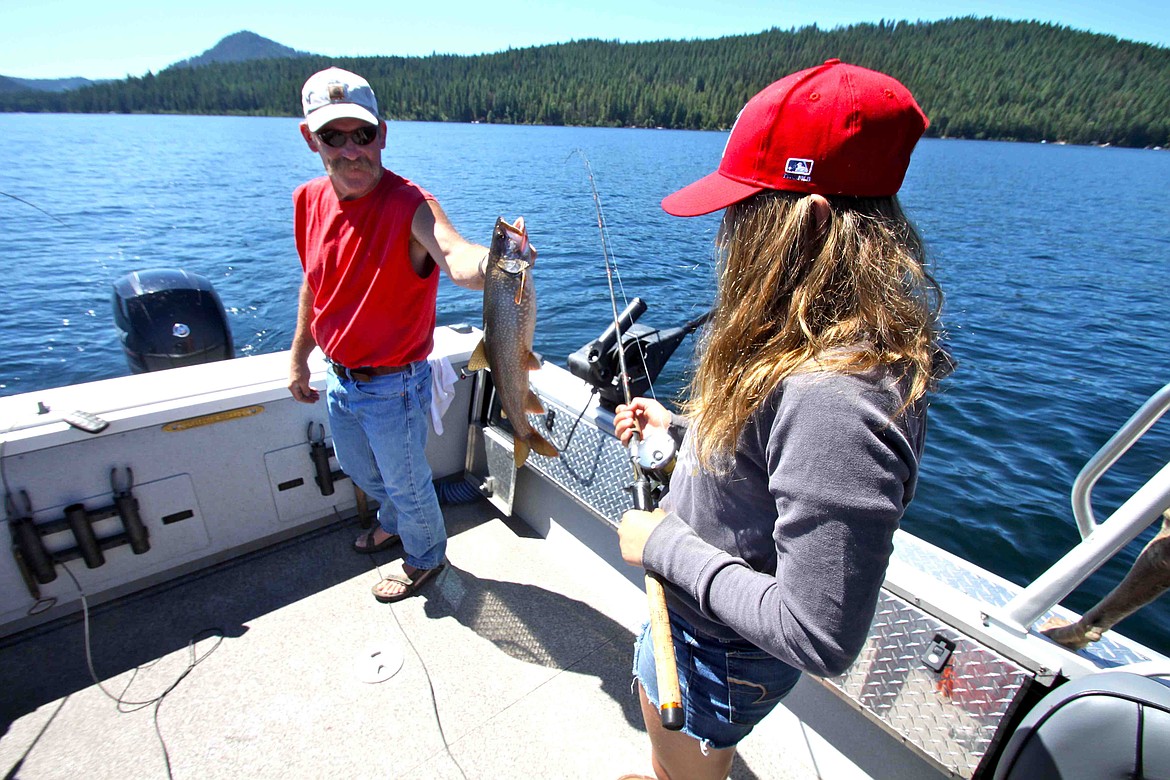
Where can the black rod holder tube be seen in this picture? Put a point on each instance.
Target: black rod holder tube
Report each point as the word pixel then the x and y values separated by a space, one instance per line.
pixel 27 539
pixel 320 455
pixel 30 580
pixel 127 508
pixel 606 341
pixel 87 543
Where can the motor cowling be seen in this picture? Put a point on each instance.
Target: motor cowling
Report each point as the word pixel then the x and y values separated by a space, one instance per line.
pixel 169 318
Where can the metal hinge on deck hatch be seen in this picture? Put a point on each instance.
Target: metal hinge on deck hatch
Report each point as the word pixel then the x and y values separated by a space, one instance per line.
pixel 490 465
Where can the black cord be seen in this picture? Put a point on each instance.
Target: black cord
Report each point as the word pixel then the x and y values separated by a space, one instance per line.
pixel 14 772
pixel 569 439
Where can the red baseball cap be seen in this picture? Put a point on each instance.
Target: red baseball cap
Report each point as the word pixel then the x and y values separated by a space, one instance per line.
pixel 835 129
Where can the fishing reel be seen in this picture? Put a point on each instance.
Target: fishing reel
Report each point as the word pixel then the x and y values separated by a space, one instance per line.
pixel 656 453
pixel 655 456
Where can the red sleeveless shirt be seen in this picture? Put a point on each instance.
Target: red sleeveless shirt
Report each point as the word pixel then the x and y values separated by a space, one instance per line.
pixel 369 306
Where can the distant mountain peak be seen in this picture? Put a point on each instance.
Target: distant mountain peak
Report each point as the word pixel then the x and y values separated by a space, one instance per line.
pixel 239 47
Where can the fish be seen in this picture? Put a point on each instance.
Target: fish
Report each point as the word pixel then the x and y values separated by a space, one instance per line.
pixel 509 324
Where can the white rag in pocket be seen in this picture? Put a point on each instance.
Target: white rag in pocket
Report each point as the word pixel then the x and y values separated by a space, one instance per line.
pixel 443 379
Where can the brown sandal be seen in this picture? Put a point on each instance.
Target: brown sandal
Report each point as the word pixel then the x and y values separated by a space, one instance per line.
pixel 409 585
pixel 370 546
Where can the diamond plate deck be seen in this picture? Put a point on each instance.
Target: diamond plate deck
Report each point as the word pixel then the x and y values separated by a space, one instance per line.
pixel 593 467
pixel 951 717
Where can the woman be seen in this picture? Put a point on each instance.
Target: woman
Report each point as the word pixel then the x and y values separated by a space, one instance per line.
pixel 806 410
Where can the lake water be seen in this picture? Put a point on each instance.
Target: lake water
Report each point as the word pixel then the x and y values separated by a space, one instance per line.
pixel 1055 261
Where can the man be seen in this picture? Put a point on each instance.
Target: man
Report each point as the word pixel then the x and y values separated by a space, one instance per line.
pixel 371 245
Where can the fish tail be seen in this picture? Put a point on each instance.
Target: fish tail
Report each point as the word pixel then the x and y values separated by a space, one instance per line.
pixel 520 451
pixel 533 441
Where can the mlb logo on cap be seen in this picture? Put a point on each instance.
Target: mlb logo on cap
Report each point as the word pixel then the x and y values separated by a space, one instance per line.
pixel 798 169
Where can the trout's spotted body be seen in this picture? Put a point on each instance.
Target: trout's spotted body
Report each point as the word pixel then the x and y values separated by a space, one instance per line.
pixel 509 323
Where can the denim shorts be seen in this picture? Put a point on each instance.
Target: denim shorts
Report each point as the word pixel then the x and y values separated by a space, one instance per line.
pixel 727 685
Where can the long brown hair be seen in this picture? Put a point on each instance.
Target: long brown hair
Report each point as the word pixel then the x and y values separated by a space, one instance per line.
pixel 846 298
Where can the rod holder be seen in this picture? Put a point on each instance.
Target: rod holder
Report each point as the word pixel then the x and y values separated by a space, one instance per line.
pixel 320 453
pixel 126 507
pixel 363 507
pixel 38 565
pixel 78 518
pixel 30 549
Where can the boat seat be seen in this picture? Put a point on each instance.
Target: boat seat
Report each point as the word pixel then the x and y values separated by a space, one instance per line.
pixel 1106 725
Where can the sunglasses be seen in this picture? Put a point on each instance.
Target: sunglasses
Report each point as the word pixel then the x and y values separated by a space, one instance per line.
pixel 337 138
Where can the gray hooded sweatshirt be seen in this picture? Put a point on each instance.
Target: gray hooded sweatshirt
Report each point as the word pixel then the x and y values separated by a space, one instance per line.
pixel 788 549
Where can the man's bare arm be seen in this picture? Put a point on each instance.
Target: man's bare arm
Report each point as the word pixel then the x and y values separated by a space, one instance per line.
pixel 303 344
pixel 459 258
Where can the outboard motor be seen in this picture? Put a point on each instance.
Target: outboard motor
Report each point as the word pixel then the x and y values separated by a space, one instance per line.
pixel 169 318
pixel 646 352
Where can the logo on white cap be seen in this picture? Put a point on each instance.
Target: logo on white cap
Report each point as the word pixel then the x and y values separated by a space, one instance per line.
pixel 335 94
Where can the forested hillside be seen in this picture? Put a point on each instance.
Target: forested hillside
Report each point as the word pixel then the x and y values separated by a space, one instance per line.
pixel 10 84
pixel 975 78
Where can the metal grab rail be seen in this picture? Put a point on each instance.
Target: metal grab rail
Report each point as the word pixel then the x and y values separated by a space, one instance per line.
pixel 1134 428
pixel 1101 541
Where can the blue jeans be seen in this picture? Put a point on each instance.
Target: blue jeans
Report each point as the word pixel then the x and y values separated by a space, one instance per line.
pixel 380 432
pixel 727 685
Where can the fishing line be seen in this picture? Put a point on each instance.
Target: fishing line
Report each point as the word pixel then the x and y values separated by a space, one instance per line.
pixel 611 261
pixel 157 700
pixel 430 684
pixel 34 206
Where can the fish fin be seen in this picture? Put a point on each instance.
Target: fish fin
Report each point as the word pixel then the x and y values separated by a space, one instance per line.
pixel 478 358
pixel 533 361
pixel 542 445
pixel 533 404
pixel 520 450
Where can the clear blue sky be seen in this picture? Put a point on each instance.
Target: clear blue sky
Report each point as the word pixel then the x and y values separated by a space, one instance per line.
pixel 115 38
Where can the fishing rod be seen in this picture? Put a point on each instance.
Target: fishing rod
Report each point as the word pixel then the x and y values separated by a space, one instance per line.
pixel 669 696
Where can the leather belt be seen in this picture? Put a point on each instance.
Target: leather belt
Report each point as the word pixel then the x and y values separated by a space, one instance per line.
pixel 366 373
